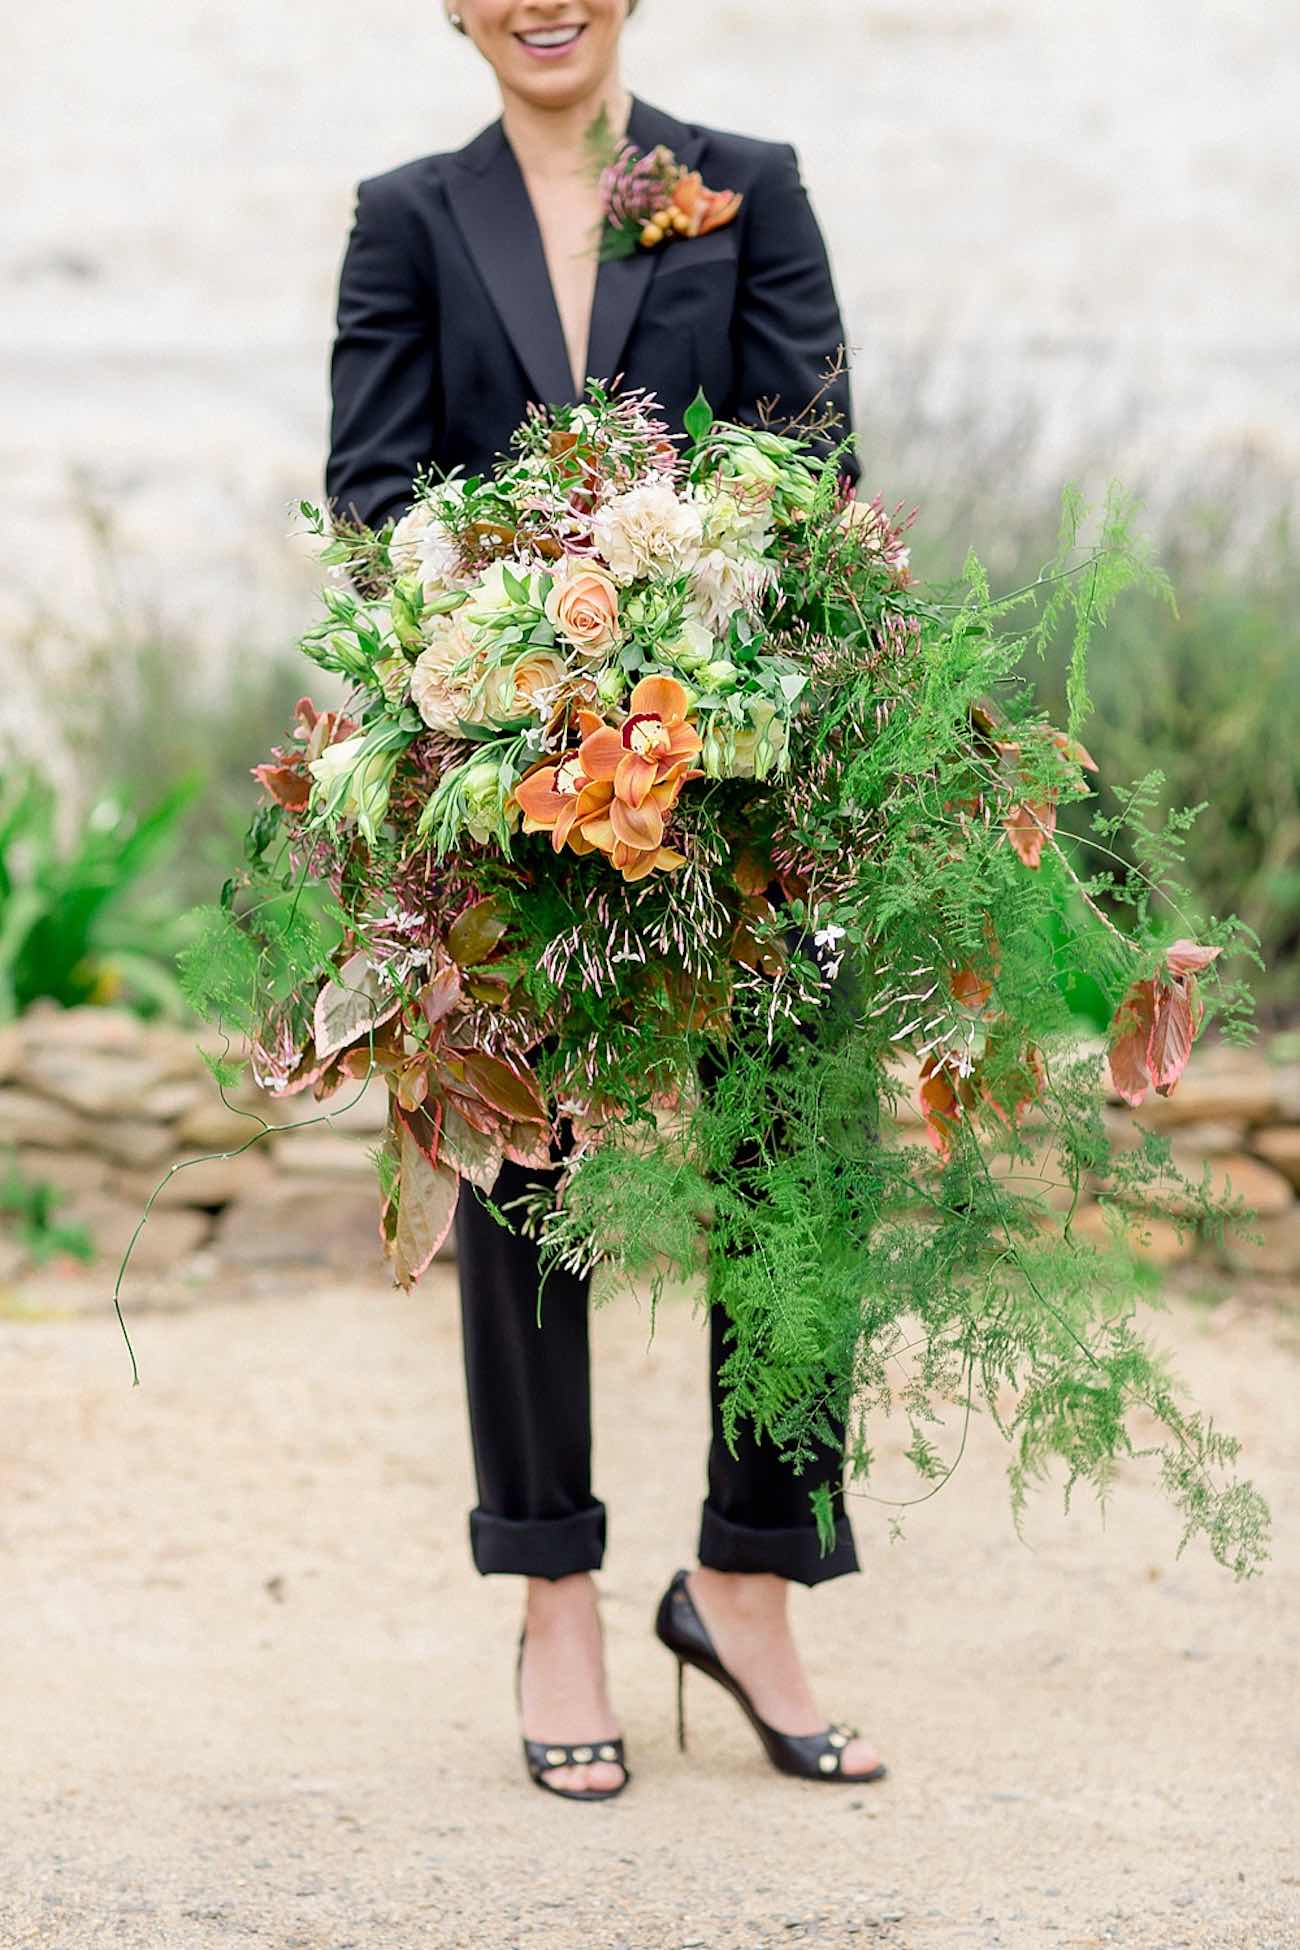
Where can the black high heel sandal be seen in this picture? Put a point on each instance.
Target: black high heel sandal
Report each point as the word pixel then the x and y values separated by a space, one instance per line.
pixel 540 1756
pixel 810 1756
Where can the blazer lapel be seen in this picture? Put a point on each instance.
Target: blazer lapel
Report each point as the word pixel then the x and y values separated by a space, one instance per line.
pixel 622 283
pixel 492 208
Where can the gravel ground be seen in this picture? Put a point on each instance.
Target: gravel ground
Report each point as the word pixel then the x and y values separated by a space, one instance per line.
pixel 254 1692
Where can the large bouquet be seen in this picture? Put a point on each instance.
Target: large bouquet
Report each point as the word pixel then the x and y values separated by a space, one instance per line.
pixel 669 834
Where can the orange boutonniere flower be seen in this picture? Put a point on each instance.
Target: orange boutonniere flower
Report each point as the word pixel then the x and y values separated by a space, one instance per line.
pixel 649 198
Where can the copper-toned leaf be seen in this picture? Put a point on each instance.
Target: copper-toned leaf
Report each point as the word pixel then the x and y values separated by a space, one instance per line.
pixel 1130 1036
pixel 424 1123
pixel 488 538
pixel 970 988
pixel 1028 827
pixel 413 1083
pixel 440 994
pixel 1072 749
pixel 476 1112
pixel 426 1206
pixel 487 986
pixel 529 1145
pixel 1186 958
pixel 475 1154
pixel 515 1096
pixel 1170 1041
pixel 288 785
pixel 474 934
pixel 940 1104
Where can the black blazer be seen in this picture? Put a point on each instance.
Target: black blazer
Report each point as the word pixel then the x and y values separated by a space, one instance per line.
pixel 448 327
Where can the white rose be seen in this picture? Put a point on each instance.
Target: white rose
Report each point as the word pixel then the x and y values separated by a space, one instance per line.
pixel 490 596
pixel 691 648
pixel 441 676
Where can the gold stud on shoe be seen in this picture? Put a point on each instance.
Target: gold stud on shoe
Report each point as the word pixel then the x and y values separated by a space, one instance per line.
pixel 556 1755
pixel 609 1753
pixel 828 1763
pixel 839 1739
pixel 582 1753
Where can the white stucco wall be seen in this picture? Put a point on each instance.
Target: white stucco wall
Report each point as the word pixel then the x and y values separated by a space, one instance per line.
pixel 1086 214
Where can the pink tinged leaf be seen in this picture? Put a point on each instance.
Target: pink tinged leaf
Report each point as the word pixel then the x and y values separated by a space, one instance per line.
pixel 475 1155
pixel 426 1206
pixel 476 1113
pixel 474 934
pixel 1186 958
pixel 529 1147
pixel 305 1077
pixel 1028 828
pixel 1129 1037
pixel 515 1096
pixel 424 1123
pixel 413 1084
pixel 359 1001
pixel 288 785
pixel 1170 1041
pixel 439 996
pixel 1074 750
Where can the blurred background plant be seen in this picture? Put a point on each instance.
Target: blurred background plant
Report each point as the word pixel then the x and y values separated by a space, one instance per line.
pixel 111 837
pixel 1206 691
pixel 29 1217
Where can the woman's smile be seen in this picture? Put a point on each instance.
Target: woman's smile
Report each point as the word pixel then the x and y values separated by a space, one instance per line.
pixel 552 43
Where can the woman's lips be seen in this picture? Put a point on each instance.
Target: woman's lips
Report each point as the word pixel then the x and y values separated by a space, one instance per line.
pixel 555 50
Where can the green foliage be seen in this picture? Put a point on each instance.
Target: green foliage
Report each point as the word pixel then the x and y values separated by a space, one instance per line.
pixel 73 924
pixel 1206 698
pixel 29 1211
pixel 733 1094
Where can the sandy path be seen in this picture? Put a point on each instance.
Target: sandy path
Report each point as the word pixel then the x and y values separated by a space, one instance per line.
pixel 253 1693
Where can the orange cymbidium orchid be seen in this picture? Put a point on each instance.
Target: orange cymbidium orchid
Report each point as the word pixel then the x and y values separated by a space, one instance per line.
pixel 614 793
pixel 644 761
pixel 559 798
pixel 653 744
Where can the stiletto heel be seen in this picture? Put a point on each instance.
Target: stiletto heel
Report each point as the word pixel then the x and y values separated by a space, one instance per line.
pixel 540 1756
pixel 811 1756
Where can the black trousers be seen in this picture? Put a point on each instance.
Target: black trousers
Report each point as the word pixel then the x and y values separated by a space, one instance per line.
pixel 530 1421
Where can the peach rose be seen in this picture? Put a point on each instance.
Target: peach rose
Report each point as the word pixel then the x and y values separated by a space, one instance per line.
pixel 511 691
pixel 583 608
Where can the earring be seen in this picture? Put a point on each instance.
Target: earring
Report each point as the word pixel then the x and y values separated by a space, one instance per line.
pixel 457 22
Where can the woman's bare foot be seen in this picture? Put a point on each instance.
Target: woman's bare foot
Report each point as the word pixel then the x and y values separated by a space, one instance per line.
pixel 562 1681
pixel 747 1618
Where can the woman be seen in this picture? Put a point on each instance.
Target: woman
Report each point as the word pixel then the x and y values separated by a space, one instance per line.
pixel 470 288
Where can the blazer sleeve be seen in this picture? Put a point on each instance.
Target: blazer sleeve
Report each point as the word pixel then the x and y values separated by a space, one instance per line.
pixel 384 364
pixel 788 326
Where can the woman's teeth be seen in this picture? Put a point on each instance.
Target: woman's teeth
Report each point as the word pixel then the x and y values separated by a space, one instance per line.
pixel 551 36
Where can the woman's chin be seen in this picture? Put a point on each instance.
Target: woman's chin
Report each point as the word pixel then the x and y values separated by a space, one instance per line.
pixel 556 85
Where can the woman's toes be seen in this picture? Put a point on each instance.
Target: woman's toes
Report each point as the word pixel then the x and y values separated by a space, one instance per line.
pixel 585 1780
pixel 859 1757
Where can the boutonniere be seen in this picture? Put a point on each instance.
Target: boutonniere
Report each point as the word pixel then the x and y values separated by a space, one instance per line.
pixel 647 197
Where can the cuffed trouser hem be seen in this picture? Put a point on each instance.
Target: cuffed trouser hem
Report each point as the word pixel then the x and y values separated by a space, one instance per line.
pixel 795 1553
pixel 547 1547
